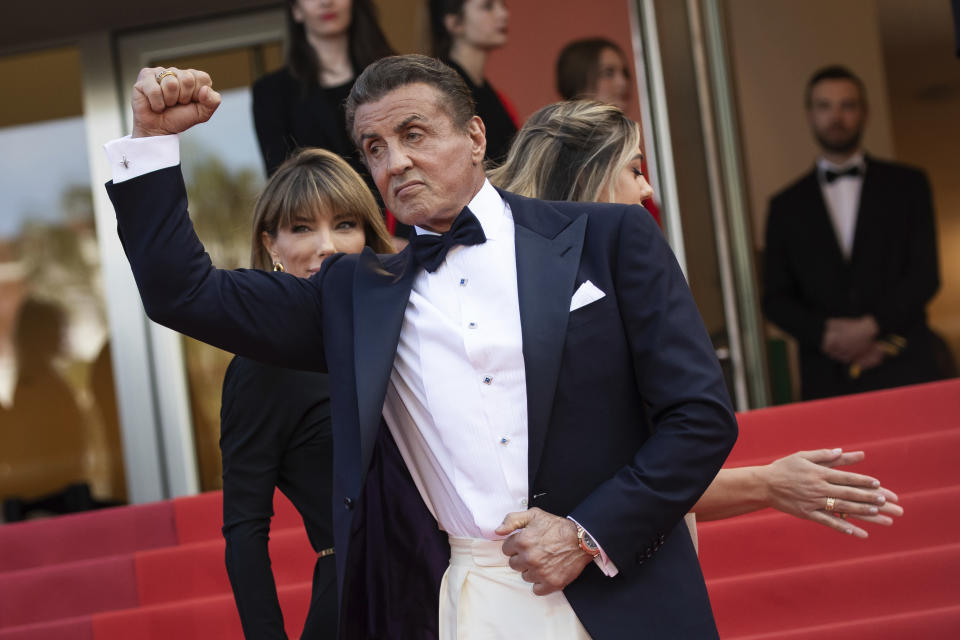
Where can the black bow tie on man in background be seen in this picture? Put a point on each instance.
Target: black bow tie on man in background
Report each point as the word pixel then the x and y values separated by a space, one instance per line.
pixel 851 172
pixel 430 250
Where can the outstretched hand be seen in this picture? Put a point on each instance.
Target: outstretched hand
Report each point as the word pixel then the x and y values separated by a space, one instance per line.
pixel 544 549
pixel 173 104
pixel 800 484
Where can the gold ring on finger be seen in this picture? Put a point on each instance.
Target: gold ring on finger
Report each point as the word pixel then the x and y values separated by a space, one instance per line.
pixel 842 516
pixel 164 74
pixel 831 504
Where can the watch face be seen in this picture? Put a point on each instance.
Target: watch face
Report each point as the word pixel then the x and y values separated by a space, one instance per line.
pixel 589 543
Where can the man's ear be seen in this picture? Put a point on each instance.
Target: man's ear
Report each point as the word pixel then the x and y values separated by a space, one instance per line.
pixel 478 137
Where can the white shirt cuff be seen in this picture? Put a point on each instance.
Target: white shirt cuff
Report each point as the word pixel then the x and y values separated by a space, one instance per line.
pixel 602 561
pixel 133 157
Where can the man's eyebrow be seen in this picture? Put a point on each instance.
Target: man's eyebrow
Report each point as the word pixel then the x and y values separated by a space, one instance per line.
pixel 406 122
pixel 397 129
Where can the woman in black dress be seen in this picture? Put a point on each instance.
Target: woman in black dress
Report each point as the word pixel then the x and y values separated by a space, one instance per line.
pixel 464 33
pixel 275 423
pixel 301 105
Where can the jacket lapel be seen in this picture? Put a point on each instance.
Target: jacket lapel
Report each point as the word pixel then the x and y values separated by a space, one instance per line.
pixel 380 294
pixel 548 247
pixel 869 204
pixel 821 225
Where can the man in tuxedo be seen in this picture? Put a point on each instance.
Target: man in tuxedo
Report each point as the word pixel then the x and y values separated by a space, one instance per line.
pixel 851 255
pixel 525 402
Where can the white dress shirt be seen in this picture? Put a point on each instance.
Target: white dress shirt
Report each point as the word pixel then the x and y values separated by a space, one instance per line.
pixel 842 197
pixel 456 403
pixel 457 399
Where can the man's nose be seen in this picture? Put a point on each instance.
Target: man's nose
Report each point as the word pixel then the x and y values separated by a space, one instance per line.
pixel 398 161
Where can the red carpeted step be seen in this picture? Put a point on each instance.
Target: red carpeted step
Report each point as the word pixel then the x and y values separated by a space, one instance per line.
pixel 71 629
pixel 767 433
pixel 778 541
pixel 920 625
pixel 51 593
pixel 837 592
pixel 213 618
pixel 197 570
pixel 93 534
pixel 911 463
pixel 200 517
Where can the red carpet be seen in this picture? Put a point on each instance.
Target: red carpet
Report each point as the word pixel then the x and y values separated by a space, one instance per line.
pixel 155 572
pixel 774 576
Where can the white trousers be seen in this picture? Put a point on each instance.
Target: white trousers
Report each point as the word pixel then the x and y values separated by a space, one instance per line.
pixel 482 598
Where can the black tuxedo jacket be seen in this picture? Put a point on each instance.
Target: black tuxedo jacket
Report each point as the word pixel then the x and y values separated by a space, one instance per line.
pixel 628 416
pixel 892 274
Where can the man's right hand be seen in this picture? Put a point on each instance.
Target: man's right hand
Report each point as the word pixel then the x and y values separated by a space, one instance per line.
pixel 178 101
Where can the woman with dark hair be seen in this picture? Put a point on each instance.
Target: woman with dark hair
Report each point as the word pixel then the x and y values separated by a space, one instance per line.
pixel 301 105
pixel 274 422
pixel 594 69
pixel 464 33
pixel 585 151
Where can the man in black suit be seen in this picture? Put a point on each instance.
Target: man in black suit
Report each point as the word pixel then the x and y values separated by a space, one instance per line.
pixel 523 367
pixel 851 255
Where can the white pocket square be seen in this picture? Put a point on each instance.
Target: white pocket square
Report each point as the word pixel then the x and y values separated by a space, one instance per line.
pixel 584 295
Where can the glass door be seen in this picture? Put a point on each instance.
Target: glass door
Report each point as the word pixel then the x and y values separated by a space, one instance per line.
pixel 693 146
pixel 61 447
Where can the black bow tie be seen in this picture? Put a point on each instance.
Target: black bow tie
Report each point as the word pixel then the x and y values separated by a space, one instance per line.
pixel 430 250
pixel 851 172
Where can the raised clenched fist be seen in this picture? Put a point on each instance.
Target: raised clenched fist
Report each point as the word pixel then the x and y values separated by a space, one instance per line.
pixel 169 100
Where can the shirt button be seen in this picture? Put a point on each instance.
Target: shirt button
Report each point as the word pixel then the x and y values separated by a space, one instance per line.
pixel 487 380
pixel 463 282
pixel 504 440
pixel 472 325
pixel 523 502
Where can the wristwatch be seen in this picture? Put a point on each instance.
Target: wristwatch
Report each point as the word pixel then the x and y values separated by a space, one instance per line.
pixel 587 543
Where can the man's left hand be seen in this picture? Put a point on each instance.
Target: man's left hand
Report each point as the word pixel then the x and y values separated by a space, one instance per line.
pixel 544 549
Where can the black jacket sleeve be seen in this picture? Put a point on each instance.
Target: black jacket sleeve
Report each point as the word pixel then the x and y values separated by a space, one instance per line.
pixel 270 317
pixel 904 305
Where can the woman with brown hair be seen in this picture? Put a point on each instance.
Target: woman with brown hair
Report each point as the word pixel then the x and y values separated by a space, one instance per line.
pixel 464 33
pixel 586 151
pixel 597 69
pixel 275 422
pixel 594 69
pixel 329 43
